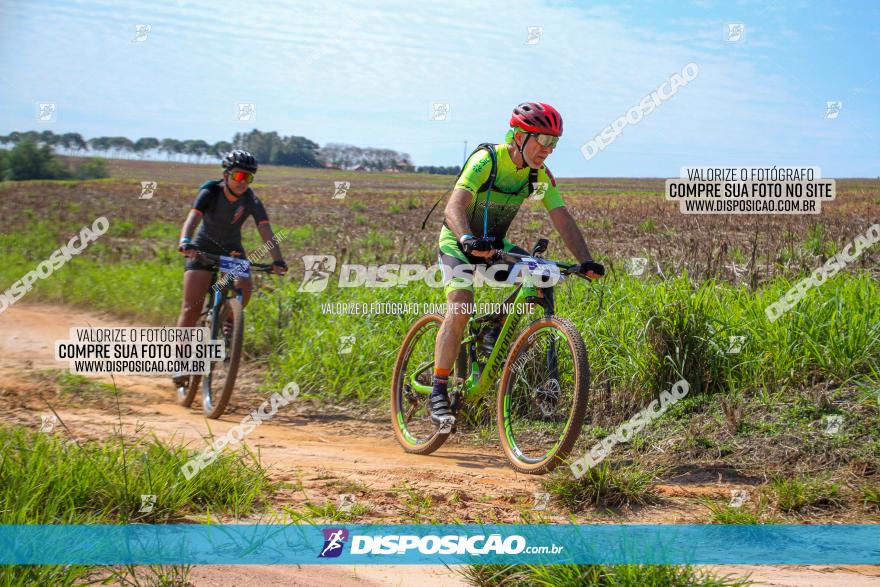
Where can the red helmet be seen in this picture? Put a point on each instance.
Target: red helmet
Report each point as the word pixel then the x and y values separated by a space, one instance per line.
pixel 537 117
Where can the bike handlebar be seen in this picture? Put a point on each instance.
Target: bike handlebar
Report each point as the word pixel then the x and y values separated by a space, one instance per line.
pixel 265 267
pixel 567 268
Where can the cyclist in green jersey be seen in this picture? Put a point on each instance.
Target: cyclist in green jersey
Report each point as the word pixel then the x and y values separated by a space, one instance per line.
pixel 468 239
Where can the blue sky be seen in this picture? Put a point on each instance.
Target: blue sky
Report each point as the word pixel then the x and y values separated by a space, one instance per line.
pixel 367 73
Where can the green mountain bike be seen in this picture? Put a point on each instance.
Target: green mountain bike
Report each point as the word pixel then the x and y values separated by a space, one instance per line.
pixel 544 373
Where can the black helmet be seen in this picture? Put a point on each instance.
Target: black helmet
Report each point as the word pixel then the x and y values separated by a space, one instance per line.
pixel 240 160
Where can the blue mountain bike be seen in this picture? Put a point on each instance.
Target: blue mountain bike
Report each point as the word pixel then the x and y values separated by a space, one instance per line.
pixel 223 314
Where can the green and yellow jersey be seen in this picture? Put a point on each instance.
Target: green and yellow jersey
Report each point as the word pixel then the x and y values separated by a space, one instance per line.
pixel 510 189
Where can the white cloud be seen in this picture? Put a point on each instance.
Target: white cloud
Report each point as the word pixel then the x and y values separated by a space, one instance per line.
pixel 365 72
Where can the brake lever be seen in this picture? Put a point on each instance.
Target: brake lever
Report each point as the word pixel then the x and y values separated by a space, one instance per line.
pixel 578 273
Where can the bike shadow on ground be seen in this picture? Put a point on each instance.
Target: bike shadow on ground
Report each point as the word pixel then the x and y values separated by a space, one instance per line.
pixel 468 460
pixel 702 474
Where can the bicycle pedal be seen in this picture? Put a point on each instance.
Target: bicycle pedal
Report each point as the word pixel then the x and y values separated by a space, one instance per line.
pixel 446 427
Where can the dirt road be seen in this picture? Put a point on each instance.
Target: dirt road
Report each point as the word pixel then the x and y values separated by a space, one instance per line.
pixel 330 453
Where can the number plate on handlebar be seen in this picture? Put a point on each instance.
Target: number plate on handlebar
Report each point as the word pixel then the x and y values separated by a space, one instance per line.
pixel 235 267
pixel 539 267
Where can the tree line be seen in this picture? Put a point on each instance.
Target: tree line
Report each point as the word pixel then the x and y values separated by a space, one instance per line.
pixel 73 143
pixel 268 147
pixel 441 169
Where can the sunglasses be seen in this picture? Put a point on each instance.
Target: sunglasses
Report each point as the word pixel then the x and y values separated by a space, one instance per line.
pixel 242 176
pixel 545 140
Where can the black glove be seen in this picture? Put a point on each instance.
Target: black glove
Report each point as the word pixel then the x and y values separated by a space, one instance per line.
pixel 184 247
pixel 591 268
pixel 280 263
pixel 470 243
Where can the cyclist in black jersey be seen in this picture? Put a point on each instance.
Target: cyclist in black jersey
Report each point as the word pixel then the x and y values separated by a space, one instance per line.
pixel 222 206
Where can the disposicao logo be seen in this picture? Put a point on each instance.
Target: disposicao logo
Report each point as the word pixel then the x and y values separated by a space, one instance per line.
pixel 432 544
pixel 334 540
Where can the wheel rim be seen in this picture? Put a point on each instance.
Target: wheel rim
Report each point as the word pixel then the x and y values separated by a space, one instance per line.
pixel 413 415
pixel 539 399
pixel 183 390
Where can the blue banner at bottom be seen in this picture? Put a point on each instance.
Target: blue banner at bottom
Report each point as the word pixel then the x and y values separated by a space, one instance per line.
pixel 266 544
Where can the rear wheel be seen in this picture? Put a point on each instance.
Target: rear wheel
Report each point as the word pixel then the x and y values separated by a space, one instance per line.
pixel 542 397
pixel 410 414
pixel 217 385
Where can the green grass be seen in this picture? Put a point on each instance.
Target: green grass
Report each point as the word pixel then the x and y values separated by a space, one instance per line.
pixel 46 480
pixel 648 225
pixel 738 256
pixel 293 237
pixel 79 385
pixel 724 514
pixel 326 513
pixel 373 246
pixel 121 228
pixel 688 324
pixel 594 576
pixel 819 242
pixel 49 481
pixel 415 505
pixel 794 494
pixel 158 231
pixel 871 495
pixel 642 335
pixel 748 513
pixel 602 485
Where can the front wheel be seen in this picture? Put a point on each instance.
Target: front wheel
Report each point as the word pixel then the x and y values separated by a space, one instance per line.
pixel 218 384
pixel 542 397
pixel 186 395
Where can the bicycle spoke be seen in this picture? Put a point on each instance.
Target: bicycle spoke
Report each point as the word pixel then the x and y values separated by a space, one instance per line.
pixel 541 394
pixel 417 418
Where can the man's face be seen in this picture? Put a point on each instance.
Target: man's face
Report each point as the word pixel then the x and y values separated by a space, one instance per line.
pixel 534 152
pixel 237 187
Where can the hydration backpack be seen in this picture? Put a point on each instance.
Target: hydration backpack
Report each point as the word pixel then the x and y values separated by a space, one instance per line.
pixel 490 181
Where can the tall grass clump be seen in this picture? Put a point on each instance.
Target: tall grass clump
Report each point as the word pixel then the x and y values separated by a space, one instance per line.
pixel 595 576
pixel 45 479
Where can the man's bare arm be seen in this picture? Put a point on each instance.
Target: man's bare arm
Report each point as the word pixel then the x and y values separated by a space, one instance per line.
pixel 456 212
pixel 571 235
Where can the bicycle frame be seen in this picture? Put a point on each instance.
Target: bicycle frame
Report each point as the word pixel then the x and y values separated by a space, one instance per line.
pixel 220 294
pixel 215 300
pixel 477 384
